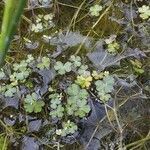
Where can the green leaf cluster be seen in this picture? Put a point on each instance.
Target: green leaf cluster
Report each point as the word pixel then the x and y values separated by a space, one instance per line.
pixel 45 63
pixel 73 63
pixel 19 76
pixel 22 66
pixel 105 87
pixel 99 75
pixel 67 128
pixel 144 12
pixel 83 70
pixel 8 90
pixel 112 44
pixel 42 22
pixel 137 66
pixel 84 82
pixel 32 103
pixel 76 104
pixel 21 71
pixel 56 107
pixel 76 61
pixel 95 10
pixel 77 101
pixel 29 59
pixel 113 47
pixel 62 68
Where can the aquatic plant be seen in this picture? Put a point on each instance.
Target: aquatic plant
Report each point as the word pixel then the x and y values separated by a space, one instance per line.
pixel 77 101
pixel 94 10
pixel 112 45
pixel 56 108
pixel 137 66
pixel 11 17
pixel 9 90
pixel 83 70
pixel 144 12
pixel 29 59
pixel 45 63
pixel 99 75
pixel 84 81
pixel 105 87
pixel 32 103
pixel 73 94
pixel 20 73
pixel 62 68
pixel 42 22
pixel 67 128
pixel 76 60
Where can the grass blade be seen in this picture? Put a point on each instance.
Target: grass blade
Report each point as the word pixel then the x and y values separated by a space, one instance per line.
pixel 11 17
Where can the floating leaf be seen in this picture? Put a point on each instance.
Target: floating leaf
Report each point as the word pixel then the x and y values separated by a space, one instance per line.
pixel 77 101
pixel 94 10
pixel 144 12
pixel 105 87
pixel 45 63
pixel 32 103
pixel 68 128
pixel 57 110
pixel 62 68
pixel 76 60
pixel 84 82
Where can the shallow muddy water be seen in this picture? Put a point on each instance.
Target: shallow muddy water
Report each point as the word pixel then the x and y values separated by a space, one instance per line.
pixel 120 122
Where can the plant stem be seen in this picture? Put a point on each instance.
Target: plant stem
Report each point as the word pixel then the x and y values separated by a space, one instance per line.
pixel 11 17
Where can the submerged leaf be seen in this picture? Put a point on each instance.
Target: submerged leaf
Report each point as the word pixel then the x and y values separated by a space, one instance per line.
pixel 102 59
pixel 70 39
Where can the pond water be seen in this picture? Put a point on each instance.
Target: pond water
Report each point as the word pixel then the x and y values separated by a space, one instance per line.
pixel 77 77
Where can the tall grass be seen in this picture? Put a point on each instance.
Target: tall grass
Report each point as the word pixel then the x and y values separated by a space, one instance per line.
pixel 12 13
